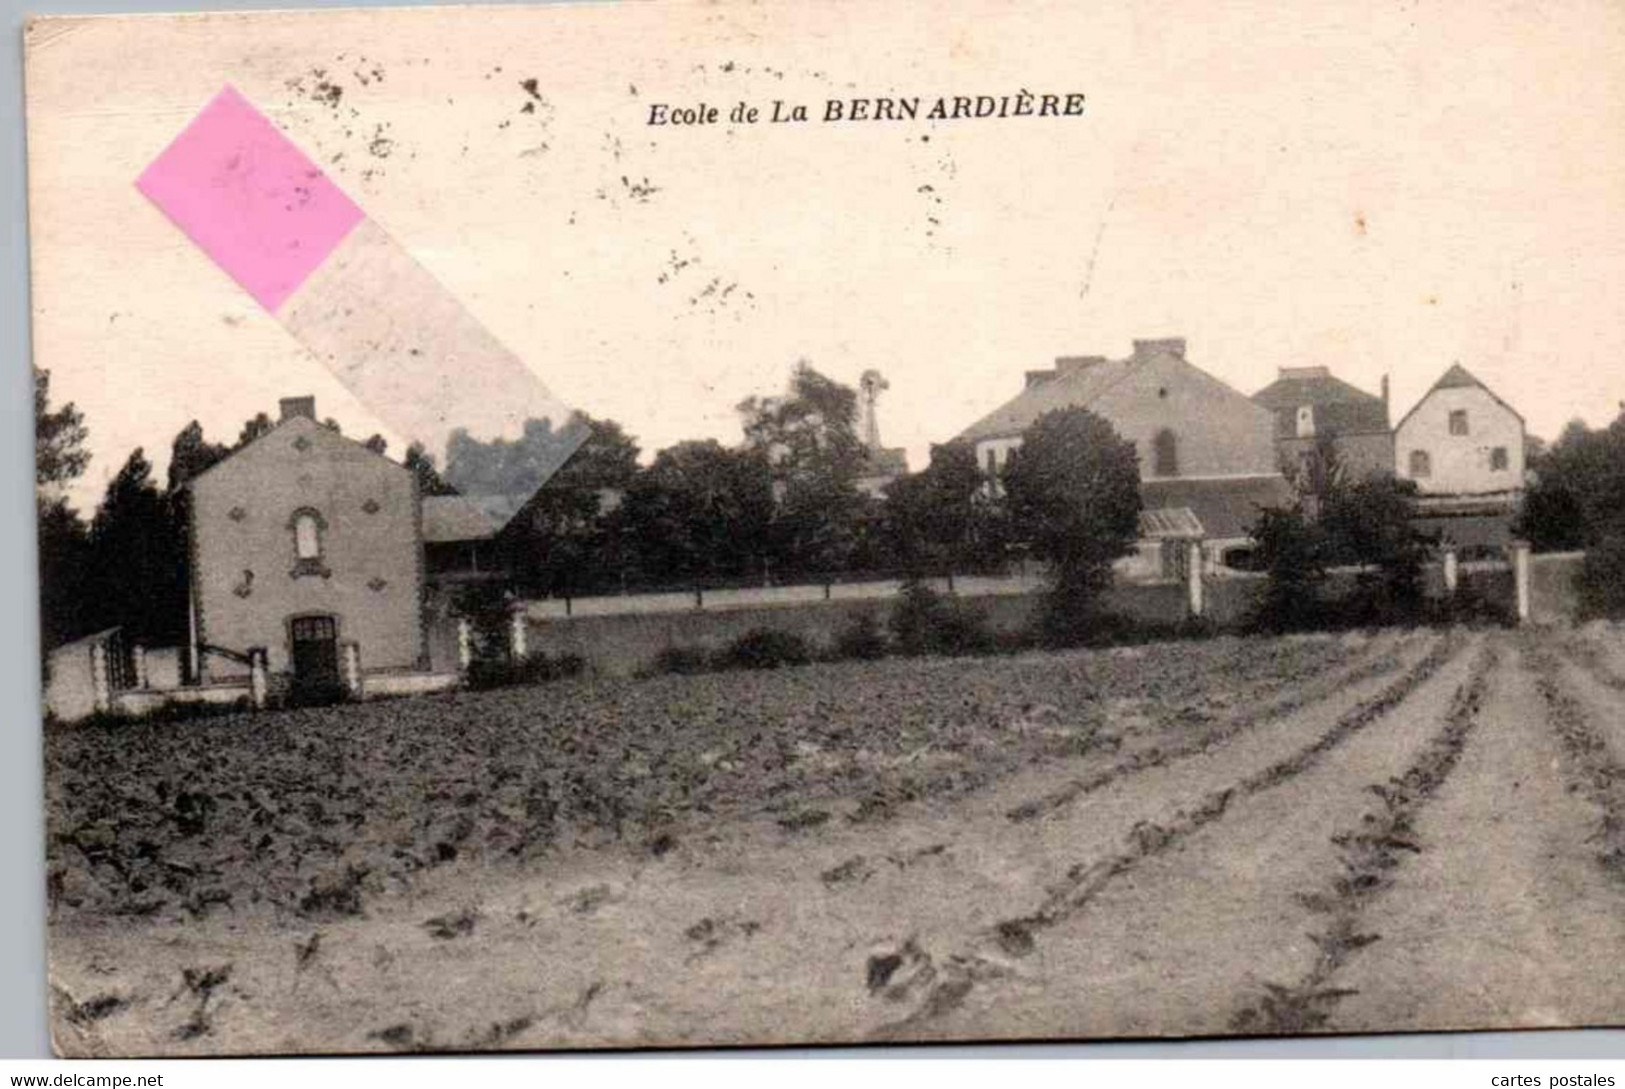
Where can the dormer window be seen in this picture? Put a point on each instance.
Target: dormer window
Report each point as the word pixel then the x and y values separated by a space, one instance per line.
pixel 308 528
pixel 1306 421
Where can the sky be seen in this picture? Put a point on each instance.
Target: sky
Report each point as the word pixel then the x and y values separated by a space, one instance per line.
pixel 1375 188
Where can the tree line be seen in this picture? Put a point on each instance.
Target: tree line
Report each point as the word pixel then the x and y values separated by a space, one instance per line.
pixel 785 505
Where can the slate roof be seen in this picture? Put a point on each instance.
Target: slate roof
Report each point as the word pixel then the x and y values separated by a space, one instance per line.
pixel 1073 383
pixel 1340 409
pixel 1225 507
pixel 1457 377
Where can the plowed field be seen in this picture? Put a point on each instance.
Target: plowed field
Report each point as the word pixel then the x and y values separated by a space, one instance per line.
pixel 1393 831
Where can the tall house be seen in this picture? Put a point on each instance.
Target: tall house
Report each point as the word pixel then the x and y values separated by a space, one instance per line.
pixel 1464 448
pixel 303 541
pixel 1461 440
pixel 1311 406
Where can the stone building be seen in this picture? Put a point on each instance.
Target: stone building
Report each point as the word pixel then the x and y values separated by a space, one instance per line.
pixel 1208 458
pixel 320 555
pixel 1313 406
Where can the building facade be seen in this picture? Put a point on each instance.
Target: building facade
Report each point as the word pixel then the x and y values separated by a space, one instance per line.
pixel 302 542
pixel 1464 448
pixel 1461 440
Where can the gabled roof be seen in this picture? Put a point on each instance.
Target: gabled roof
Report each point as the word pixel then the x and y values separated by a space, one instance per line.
pixel 1226 507
pixel 1457 377
pixel 1074 383
pixel 322 431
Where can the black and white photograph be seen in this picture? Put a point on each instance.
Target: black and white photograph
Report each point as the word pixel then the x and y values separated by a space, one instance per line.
pixel 713 525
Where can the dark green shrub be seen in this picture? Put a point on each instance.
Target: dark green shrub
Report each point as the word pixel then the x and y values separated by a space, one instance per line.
pixel 1601 581
pixel 926 622
pixel 532 669
pixel 681 660
pixel 861 639
pixel 764 648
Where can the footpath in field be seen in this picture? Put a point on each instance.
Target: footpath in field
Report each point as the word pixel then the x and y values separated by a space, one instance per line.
pixel 1507 916
pixel 941 921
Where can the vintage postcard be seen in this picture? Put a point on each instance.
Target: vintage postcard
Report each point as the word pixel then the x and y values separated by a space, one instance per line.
pixel 704 524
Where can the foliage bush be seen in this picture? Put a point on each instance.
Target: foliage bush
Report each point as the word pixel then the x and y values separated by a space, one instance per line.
pixel 926 622
pixel 862 639
pixel 535 668
pixel 764 648
pixel 679 660
pixel 1601 582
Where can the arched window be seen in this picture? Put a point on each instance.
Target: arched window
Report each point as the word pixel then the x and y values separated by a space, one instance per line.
pixel 1421 464
pixel 308 528
pixel 1165 453
pixel 307 536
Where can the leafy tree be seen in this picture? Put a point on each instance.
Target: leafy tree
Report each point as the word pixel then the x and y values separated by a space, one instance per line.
pixel 421 462
pixel 699 511
pixel 1578 501
pixel 59 458
pixel 1293 550
pixel 59 437
pixel 138 558
pixel 191 454
pixel 1578 498
pixel 809 439
pixel 1335 521
pixel 255 428
pixel 563 541
pixel 943 518
pixel 515 467
pixel 1073 494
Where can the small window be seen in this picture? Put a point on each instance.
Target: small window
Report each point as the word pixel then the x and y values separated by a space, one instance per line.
pixel 1165 453
pixel 1421 464
pixel 1306 421
pixel 1458 421
pixel 992 461
pixel 1498 458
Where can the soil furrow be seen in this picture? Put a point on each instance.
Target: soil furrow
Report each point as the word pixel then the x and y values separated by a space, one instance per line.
pixel 1084 882
pixel 1278 701
pixel 1504 919
pixel 1370 852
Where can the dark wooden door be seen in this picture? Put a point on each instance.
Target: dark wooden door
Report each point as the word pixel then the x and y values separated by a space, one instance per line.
pixel 315 659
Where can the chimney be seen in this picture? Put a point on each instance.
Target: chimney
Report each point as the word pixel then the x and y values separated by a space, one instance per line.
pixel 1305 372
pixel 1073 364
pixel 295 407
pixel 1174 346
pixel 1038 378
pixel 1386 419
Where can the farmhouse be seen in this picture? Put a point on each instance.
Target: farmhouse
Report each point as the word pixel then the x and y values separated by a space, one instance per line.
pixel 1464 448
pixel 1208 458
pixel 1311 406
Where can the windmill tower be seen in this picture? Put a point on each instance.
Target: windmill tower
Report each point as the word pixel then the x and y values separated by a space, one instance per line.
pixel 872 384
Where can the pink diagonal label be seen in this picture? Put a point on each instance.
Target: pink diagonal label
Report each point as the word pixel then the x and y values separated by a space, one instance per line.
pixel 251 199
pixel 354 297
